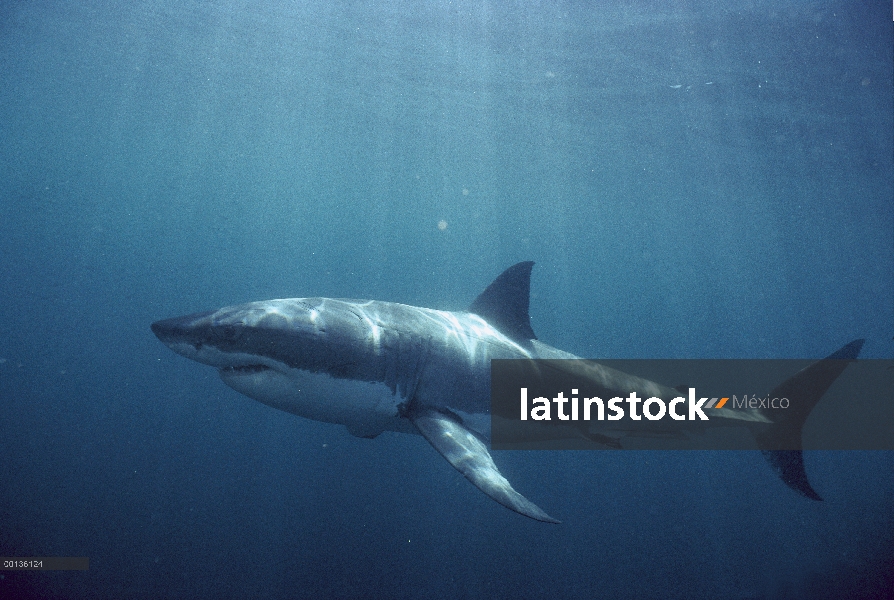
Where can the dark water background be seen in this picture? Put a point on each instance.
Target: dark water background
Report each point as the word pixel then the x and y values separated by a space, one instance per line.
pixel 694 179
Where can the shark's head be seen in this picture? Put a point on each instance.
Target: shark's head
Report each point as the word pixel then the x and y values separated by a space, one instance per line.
pixel 246 335
pixel 316 357
pixel 311 334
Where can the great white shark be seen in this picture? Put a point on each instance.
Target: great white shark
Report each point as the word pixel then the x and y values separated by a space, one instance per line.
pixel 376 366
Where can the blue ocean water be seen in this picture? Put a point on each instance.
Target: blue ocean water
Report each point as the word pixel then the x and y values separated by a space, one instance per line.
pixel 694 179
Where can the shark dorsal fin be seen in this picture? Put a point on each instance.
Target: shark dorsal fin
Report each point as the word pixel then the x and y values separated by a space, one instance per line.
pixel 504 304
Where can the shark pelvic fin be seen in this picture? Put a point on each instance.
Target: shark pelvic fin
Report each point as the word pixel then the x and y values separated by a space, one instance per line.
pixel 781 443
pixel 469 455
pixel 504 304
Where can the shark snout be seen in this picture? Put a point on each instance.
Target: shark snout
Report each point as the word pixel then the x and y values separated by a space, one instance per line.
pixel 180 329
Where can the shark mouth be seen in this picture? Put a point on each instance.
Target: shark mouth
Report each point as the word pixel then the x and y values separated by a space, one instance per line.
pixel 245 369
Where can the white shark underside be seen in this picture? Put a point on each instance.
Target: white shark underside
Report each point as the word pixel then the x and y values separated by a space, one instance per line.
pixel 381 366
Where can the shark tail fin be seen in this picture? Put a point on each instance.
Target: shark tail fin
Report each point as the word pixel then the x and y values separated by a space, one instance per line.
pixel 781 443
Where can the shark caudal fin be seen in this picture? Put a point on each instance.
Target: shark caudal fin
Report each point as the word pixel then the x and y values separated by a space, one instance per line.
pixel 781 443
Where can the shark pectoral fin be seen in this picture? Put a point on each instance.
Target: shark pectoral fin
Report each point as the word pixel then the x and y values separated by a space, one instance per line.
pixel 469 455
